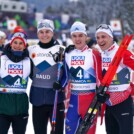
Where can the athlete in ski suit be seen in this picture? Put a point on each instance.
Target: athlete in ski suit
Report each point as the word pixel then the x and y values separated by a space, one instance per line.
pixel 118 116
pixel 14 72
pixel 42 93
pixel 84 74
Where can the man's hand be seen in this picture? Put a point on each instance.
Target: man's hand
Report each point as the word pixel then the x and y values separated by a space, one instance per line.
pixel 56 57
pixel 57 86
pixel 102 98
pixel 69 48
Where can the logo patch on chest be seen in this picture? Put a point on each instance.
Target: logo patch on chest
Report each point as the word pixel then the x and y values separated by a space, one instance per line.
pixel 77 60
pixel 106 62
pixel 15 69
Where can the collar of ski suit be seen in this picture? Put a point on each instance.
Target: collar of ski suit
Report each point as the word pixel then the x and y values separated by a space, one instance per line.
pixel 84 48
pixel 110 49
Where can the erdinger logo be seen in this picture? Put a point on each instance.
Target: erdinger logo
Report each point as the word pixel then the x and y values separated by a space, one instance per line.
pixel 77 60
pixel 106 62
pixel 15 69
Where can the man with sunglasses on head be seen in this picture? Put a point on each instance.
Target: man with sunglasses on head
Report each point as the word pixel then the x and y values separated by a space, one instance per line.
pixel 118 115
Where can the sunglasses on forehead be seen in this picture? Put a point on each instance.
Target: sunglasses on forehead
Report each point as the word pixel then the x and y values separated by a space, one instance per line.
pixel 44 24
pixel 19 34
pixel 104 26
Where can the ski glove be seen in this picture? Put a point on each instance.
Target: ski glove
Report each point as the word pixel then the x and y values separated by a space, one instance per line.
pixel 57 86
pixel 69 48
pixel 56 57
pixel 102 98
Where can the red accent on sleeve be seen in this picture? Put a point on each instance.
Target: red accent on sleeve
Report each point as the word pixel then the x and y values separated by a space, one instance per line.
pixel 128 59
pixel 97 65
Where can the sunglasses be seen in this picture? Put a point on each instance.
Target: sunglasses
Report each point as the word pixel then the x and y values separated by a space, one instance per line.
pixel 44 24
pixel 104 26
pixel 19 34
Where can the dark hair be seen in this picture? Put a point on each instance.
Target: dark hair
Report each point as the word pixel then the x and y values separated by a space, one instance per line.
pixel 115 39
pixel 91 42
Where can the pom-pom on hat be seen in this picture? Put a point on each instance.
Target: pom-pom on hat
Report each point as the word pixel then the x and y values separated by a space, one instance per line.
pixel 19 29
pixel 78 27
pixel 45 24
pixel 21 36
pixel 105 28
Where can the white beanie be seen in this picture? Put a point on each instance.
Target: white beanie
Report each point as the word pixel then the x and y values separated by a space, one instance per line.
pixel 108 30
pixel 78 27
pixel 45 24
pixel 2 34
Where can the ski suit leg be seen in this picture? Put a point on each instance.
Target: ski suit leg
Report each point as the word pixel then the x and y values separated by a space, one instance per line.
pixel 40 119
pixel 4 124
pixel 19 124
pixel 42 114
pixel 84 102
pixel 72 117
pixel 119 118
pixel 77 108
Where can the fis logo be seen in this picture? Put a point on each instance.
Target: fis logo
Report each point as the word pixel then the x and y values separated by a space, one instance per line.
pixel 15 69
pixel 77 60
pixel 106 62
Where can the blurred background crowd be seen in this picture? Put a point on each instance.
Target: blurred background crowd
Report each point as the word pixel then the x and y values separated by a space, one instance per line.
pixel 25 13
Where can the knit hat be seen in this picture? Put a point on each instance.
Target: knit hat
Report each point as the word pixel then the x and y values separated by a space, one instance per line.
pixel 2 35
pixel 19 29
pixel 45 24
pixel 78 27
pixel 106 29
pixel 19 35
